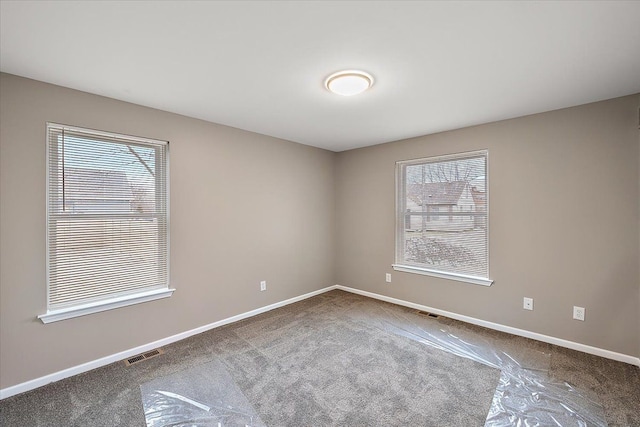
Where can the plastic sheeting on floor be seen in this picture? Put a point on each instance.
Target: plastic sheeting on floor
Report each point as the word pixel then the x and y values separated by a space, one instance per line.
pixel 526 396
pixel 203 396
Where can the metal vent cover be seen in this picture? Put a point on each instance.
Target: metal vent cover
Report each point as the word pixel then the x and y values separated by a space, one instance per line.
pixel 143 356
pixel 426 313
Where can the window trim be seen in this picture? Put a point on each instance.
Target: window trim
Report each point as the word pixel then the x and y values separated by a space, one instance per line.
pixel 400 188
pixel 442 274
pixel 90 307
pixel 104 305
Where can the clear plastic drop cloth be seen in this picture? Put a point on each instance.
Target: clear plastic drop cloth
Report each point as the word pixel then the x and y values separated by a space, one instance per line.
pixel 202 396
pixel 525 395
pixel 529 398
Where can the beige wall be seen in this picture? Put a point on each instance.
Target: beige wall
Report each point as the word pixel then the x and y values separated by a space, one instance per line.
pixel 323 218
pixel 244 208
pixel 564 223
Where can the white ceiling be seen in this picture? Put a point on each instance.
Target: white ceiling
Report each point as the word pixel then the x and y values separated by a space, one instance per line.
pixel 260 66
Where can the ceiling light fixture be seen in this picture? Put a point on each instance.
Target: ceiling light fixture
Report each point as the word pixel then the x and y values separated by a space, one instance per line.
pixel 348 82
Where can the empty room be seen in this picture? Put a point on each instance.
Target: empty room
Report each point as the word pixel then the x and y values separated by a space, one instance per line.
pixel 319 213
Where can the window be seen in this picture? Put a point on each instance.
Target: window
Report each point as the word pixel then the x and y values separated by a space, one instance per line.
pixel 441 211
pixel 107 221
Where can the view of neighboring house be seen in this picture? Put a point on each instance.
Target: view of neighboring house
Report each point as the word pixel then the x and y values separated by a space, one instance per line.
pixel 97 190
pixel 437 206
pixel 480 202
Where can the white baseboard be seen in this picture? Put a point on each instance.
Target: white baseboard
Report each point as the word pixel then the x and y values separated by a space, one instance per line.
pixel 503 328
pixel 75 370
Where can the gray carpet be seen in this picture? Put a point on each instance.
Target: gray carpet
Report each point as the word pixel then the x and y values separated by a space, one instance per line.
pixel 321 362
pixel 318 367
pixel 308 364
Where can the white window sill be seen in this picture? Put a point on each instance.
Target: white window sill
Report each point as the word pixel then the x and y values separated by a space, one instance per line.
pixel 451 276
pixel 98 306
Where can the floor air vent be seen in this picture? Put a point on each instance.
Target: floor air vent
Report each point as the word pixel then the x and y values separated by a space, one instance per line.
pixel 426 313
pixel 144 356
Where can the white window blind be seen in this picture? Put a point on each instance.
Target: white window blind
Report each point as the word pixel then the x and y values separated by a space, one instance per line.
pixel 442 209
pixel 107 235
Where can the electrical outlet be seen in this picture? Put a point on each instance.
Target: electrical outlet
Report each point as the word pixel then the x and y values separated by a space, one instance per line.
pixel 578 313
pixel 388 278
pixel 263 285
pixel 527 303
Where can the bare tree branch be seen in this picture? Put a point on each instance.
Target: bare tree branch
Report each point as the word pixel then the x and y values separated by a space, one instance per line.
pixel 141 161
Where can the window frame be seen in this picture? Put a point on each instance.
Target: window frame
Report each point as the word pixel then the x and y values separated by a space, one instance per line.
pixel 114 301
pixel 400 216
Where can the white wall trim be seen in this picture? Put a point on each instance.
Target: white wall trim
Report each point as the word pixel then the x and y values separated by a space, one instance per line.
pixel 110 304
pixel 442 274
pixel 503 328
pixel 75 370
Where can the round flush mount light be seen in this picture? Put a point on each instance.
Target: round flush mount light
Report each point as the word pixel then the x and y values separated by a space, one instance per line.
pixel 348 82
